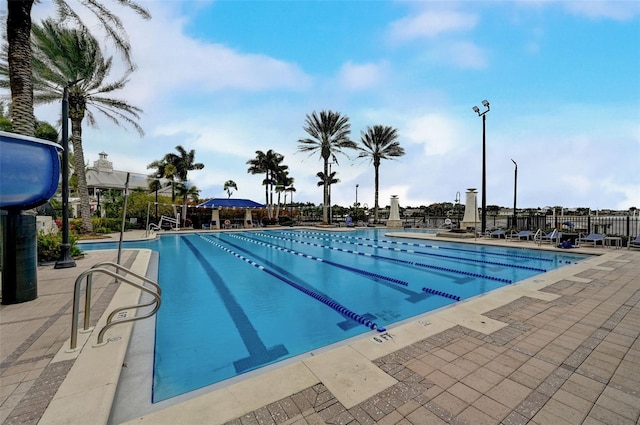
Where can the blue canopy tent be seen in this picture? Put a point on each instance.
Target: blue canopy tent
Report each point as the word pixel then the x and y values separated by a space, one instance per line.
pixel 217 203
pixel 230 203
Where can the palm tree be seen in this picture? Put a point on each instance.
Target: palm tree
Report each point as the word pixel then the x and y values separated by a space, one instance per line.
pixel 329 133
pixel 228 185
pixel 61 55
pixel 283 181
pixel 328 181
pixel 268 163
pixel 19 63
pixel 186 191
pixel 182 164
pixel 380 142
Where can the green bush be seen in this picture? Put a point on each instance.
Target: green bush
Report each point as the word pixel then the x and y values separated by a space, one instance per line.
pixel 49 246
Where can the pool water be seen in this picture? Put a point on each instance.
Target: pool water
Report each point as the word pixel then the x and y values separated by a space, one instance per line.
pixel 235 302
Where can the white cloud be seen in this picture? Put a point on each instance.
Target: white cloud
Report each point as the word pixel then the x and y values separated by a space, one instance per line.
pixel 462 54
pixel 431 23
pixel 436 132
pixel 605 9
pixel 355 77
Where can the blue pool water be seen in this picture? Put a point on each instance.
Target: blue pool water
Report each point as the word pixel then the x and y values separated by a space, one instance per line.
pixel 235 302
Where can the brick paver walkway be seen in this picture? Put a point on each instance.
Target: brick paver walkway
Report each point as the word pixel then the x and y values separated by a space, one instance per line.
pixel 575 360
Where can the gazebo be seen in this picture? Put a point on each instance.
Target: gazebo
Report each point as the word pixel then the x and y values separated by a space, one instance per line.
pixel 217 203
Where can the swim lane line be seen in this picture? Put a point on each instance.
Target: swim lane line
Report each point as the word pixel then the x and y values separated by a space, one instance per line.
pixel 325 300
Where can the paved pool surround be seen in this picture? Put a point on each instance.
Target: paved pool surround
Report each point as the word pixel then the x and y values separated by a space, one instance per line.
pixel 559 348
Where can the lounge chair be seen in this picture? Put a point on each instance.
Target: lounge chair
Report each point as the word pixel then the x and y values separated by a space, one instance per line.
pixel 553 236
pixel 496 234
pixel 634 243
pixel 523 235
pixel 593 238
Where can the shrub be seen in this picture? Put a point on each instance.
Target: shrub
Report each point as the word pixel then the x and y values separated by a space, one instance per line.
pixel 49 246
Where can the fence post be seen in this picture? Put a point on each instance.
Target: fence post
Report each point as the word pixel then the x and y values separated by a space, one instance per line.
pixel 629 226
pixel 589 223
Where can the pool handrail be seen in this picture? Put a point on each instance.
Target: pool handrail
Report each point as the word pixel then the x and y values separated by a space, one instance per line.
pixel 99 268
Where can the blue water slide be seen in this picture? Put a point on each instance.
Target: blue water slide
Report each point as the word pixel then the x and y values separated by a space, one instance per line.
pixel 29 171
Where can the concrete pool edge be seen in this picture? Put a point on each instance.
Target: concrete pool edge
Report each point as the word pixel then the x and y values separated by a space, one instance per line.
pixel 88 391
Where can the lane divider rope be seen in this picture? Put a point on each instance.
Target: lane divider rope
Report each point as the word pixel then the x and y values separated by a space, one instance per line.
pixel 411 251
pixel 323 299
pixel 397 260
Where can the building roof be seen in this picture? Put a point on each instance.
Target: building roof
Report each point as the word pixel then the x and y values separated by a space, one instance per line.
pixel 230 203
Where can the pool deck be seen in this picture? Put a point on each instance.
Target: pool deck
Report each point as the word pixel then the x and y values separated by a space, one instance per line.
pixel 559 348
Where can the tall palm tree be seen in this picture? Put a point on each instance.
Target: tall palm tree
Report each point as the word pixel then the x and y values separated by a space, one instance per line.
pixel 269 163
pixel 329 133
pixel 182 163
pixel 328 181
pixel 283 181
pixel 19 48
pixel 228 185
pixel 380 142
pixel 187 192
pixel 61 55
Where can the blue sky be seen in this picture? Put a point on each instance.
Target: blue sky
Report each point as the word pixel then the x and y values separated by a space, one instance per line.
pixel 227 78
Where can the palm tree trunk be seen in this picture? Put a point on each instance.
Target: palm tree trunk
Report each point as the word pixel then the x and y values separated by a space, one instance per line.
pixel 377 185
pixel 78 160
pixel 184 210
pixel 325 201
pixel 19 59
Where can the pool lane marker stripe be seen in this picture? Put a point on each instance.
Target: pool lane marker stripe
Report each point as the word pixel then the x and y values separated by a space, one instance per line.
pixel 259 354
pixel 421 245
pixel 412 296
pixel 311 257
pixel 430 254
pixel 396 260
pixel 442 294
pixel 325 300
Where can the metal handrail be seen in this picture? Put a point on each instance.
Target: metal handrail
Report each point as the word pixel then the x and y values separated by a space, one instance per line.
pixel 110 322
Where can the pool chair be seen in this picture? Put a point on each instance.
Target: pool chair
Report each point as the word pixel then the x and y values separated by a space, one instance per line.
pixel 592 238
pixel 553 236
pixel 523 235
pixel 634 243
pixel 500 234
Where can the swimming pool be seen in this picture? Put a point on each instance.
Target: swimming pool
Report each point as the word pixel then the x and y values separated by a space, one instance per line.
pixel 235 302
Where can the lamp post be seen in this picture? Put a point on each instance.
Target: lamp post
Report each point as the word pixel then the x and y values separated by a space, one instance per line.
pixel 356 204
pixel 515 193
pixel 98 206
pixel 485 103
pixel 65 260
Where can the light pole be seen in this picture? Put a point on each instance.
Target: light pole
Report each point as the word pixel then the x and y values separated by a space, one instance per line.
pixel 485 103
pixel 515 193
pixel 98 207
pixel 65 260
pixel 356 204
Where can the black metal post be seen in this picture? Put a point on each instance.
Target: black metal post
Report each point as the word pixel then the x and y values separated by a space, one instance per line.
pixel 98 207
pixel 356 205
pixel 65 261
pixel 485 103
pixel 515 194
pixel 484 175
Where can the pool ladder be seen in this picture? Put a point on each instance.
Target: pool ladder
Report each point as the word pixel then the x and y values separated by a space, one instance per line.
pixel 120 274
